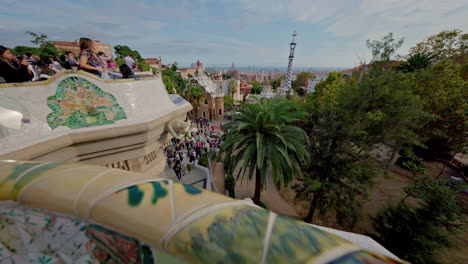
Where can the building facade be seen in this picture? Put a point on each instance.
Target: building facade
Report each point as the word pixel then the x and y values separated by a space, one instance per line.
pixel 74 47
pixel 245 88
pixel 211 106
pixel 237 92
pixel 185 72
pixel 154 62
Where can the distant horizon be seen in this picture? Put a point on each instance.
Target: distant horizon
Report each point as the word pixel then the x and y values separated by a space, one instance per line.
pixel 271 68
pixel 331 33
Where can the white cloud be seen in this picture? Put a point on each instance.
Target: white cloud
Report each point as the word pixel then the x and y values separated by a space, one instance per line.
pixel 344 18
pixel 224 29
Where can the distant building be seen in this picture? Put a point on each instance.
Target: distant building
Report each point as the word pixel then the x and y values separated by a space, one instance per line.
pixel 212 106
pixel 198 65
pixel 310 84
pixel 267 92
pixel 74 47
pixel 245 88
pixel 185 72
pixel 225 88
pixel 154 62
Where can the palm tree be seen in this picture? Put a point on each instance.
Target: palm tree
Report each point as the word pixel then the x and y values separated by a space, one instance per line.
pixel 196 94
pixel 416 61
pixel 262 136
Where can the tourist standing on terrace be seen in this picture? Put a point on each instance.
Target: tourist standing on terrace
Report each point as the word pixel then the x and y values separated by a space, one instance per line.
pixel 88 60
pixel 11 71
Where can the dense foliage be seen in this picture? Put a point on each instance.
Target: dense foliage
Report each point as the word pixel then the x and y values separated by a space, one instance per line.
pixel 349 117
pixel 417 232
pixel 415 108
pixel 228 102
pixel 174 82
pixel 122 51
pixel 256 89
pixel 45 49
pixel 195 95
pixel 203 161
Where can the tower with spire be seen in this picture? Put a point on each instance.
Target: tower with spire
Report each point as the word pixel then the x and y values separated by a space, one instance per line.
pixel 287 82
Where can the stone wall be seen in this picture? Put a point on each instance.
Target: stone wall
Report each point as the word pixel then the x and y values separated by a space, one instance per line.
pixel 77 117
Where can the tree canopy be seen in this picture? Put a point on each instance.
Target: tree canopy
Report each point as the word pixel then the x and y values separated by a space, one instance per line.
pixel 174 82
pixel 301 80
pixel 446 44
pixel 46 48
pixel 228 102
pixel 383 50
pixel 256 89
pixel 417 232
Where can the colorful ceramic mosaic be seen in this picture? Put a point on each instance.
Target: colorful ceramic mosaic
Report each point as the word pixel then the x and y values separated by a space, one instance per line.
pixel 159 191
pixel 36 236
pixel 79 103
pixel 123 208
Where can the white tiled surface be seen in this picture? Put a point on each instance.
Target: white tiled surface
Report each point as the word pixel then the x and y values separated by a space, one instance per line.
pixel 142 101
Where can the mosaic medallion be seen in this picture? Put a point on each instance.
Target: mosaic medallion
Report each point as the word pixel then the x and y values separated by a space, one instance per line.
pixel 78 103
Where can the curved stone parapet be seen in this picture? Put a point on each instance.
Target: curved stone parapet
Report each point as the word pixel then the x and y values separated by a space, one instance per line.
pixel 77 117
pixel 126 217
pixel 74 107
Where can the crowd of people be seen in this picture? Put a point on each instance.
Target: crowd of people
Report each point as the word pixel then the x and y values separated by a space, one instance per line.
pixel 29 67
pixel 192 147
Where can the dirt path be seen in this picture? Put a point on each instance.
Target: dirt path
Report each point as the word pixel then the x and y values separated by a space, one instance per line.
pixel 270 196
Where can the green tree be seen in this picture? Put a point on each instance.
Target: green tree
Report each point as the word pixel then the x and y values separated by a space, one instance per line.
pixel 228 101
pixel 415 62
pixel 301 80
pixel 169 84
pixel 388 111
pixel 349 118
pixel 383 49
pixel 442 89
pixel 256 89
pixel 21 50
pixel 230 185
pixel 326 91
pixel 418 232
pixel 38 40
pixel 262 136
pixel 275 84
pixel 143 65
pixel 123 51
pixel 196 95
pixel 46 47
pixel 339 174
pixel 446 44
pixel 175 81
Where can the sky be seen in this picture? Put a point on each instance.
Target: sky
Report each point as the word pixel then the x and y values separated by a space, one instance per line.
pixel 330 33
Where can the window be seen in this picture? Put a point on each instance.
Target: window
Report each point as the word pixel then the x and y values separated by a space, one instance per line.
pixel 206 102
pixel 219 112
pixel 204 114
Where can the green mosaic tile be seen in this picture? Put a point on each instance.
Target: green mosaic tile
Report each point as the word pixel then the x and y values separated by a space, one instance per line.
pixel 78 103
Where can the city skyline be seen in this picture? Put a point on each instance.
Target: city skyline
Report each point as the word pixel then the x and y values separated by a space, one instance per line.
pixel 330 33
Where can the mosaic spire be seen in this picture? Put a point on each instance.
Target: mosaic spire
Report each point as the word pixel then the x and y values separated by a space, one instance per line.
pixel 287 83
